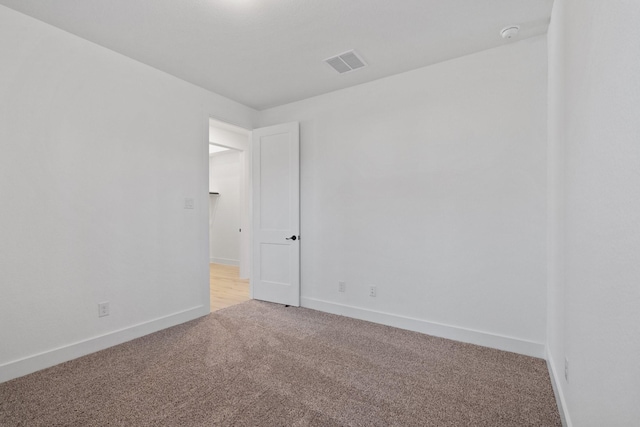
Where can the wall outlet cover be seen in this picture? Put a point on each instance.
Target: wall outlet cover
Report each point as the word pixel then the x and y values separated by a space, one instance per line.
pixel 103 309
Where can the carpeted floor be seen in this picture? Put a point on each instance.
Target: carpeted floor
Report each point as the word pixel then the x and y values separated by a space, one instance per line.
pixel 261 364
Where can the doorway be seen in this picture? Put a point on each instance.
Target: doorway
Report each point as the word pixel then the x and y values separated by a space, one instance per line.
pixel 228 214
pixel 270 233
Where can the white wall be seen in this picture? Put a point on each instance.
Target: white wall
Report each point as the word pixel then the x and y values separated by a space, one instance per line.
pixel 98 153
pixel 594 138
pixel 237 138
pixel 225 176
pixel 431 185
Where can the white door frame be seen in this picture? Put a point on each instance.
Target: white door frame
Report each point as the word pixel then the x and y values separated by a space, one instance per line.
pixel 247 222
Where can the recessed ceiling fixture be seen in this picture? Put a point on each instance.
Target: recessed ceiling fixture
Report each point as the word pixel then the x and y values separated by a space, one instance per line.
pixel 510 32
pixel 345 62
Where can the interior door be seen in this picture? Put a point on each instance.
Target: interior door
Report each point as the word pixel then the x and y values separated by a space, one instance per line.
pixel 276 214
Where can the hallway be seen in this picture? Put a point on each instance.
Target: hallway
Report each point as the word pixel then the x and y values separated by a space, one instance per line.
pixel 226 287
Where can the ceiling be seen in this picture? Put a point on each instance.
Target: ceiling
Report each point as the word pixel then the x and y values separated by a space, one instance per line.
pixel 264 53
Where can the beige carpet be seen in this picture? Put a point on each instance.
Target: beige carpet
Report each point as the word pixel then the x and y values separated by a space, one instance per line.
pixel 261 364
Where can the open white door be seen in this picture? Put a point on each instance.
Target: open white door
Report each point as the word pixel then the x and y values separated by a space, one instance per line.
pixel 276 214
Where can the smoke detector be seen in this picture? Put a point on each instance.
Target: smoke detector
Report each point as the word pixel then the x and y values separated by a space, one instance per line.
pixel 346 62
pixel 510 32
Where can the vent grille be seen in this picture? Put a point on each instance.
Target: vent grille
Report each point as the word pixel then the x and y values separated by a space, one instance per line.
pixel 345 62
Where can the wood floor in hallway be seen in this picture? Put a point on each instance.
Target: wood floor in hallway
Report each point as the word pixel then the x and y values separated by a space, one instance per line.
pixel 226 287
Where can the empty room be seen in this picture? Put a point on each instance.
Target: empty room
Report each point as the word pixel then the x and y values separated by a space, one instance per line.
pixel 437 211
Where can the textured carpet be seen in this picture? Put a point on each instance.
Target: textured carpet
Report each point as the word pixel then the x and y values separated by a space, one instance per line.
pixel 261 364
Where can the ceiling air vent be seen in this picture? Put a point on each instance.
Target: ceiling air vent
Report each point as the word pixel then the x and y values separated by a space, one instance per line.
pixel 345 62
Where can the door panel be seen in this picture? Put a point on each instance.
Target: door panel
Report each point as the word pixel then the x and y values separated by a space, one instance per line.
pixel 275 182
pixel 276 214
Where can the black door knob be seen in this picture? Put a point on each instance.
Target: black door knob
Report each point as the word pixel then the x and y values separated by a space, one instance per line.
pixel 294 237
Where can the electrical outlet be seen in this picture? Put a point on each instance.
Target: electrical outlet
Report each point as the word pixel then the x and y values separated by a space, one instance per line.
pixel 372 291
pixel 342 287
pixel 566 369
pixel 103 309
pixel 189 203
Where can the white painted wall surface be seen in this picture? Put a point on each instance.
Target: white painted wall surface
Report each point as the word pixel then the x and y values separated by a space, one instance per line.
pixel 431 185
pixel 225 175
pixel 98 153
pixel 594 291
pixel 228 138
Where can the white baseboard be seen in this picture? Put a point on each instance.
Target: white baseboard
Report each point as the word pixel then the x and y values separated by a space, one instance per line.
pixel 557 391
pixel 224 261
pixel 500 342
pixel 27 365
